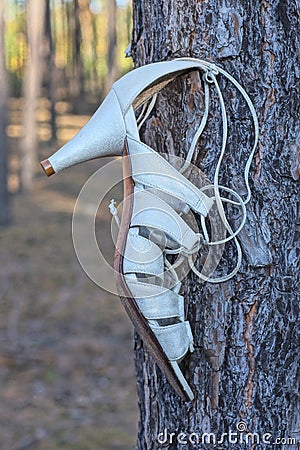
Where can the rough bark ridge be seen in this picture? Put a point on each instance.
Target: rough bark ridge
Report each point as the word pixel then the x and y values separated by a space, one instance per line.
pixel 246 359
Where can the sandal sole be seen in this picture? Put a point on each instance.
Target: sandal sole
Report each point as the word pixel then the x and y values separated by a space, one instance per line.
pixel 126 297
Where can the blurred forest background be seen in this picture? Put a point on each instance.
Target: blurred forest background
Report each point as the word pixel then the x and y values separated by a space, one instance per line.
pixel 66 364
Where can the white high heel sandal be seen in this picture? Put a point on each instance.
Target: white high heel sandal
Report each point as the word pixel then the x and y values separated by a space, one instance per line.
pixel 155 195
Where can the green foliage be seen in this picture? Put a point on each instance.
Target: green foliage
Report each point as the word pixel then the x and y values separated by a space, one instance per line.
pixel 93 23
pixel 15 44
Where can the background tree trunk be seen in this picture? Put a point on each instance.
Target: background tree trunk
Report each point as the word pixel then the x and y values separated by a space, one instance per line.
pixel 4 197
pixel 51 72
pixel 32 85
pixel 79 75
pixel 112 62
pixel 245 364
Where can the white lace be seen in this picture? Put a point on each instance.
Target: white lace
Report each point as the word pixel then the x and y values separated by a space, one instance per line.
pixel 209 78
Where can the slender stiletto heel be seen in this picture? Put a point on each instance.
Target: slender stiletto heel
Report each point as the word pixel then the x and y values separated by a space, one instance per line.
pixel 156 195
pixel 103 135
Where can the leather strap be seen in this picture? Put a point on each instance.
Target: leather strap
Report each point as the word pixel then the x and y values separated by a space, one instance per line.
pixel 151 212
pixel 151 169
pixel 130 124
pixel 178 205
pixel 141 79
pixel 156 303
pixel 175 339
pixel 142 256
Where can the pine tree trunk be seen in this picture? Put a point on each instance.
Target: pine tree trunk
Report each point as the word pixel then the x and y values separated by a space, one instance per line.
pixel 244 368
pixel 4 197
pixel 32 86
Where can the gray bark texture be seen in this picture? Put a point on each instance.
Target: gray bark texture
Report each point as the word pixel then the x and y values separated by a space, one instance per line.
pixel 245 367
pixel 4 196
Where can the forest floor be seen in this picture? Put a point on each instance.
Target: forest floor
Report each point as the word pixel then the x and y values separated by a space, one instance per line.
pixel 67 377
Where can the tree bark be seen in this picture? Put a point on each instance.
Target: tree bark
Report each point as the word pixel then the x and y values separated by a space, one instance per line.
pixel 4 196
pixel 32 85
pixel 244 368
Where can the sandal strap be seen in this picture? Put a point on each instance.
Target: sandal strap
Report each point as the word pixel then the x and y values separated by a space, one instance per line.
pixel 142 256
pixel 175 339
pixel 130 124
pixel 151 212
pixel 155 303
pixel 178 205
pixel 165 177
pixel 162 73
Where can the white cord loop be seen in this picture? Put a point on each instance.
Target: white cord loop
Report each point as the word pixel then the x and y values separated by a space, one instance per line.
pixel 209 78
pixel 210 72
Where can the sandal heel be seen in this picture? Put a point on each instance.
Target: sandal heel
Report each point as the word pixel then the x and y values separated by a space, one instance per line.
pixel 103 135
